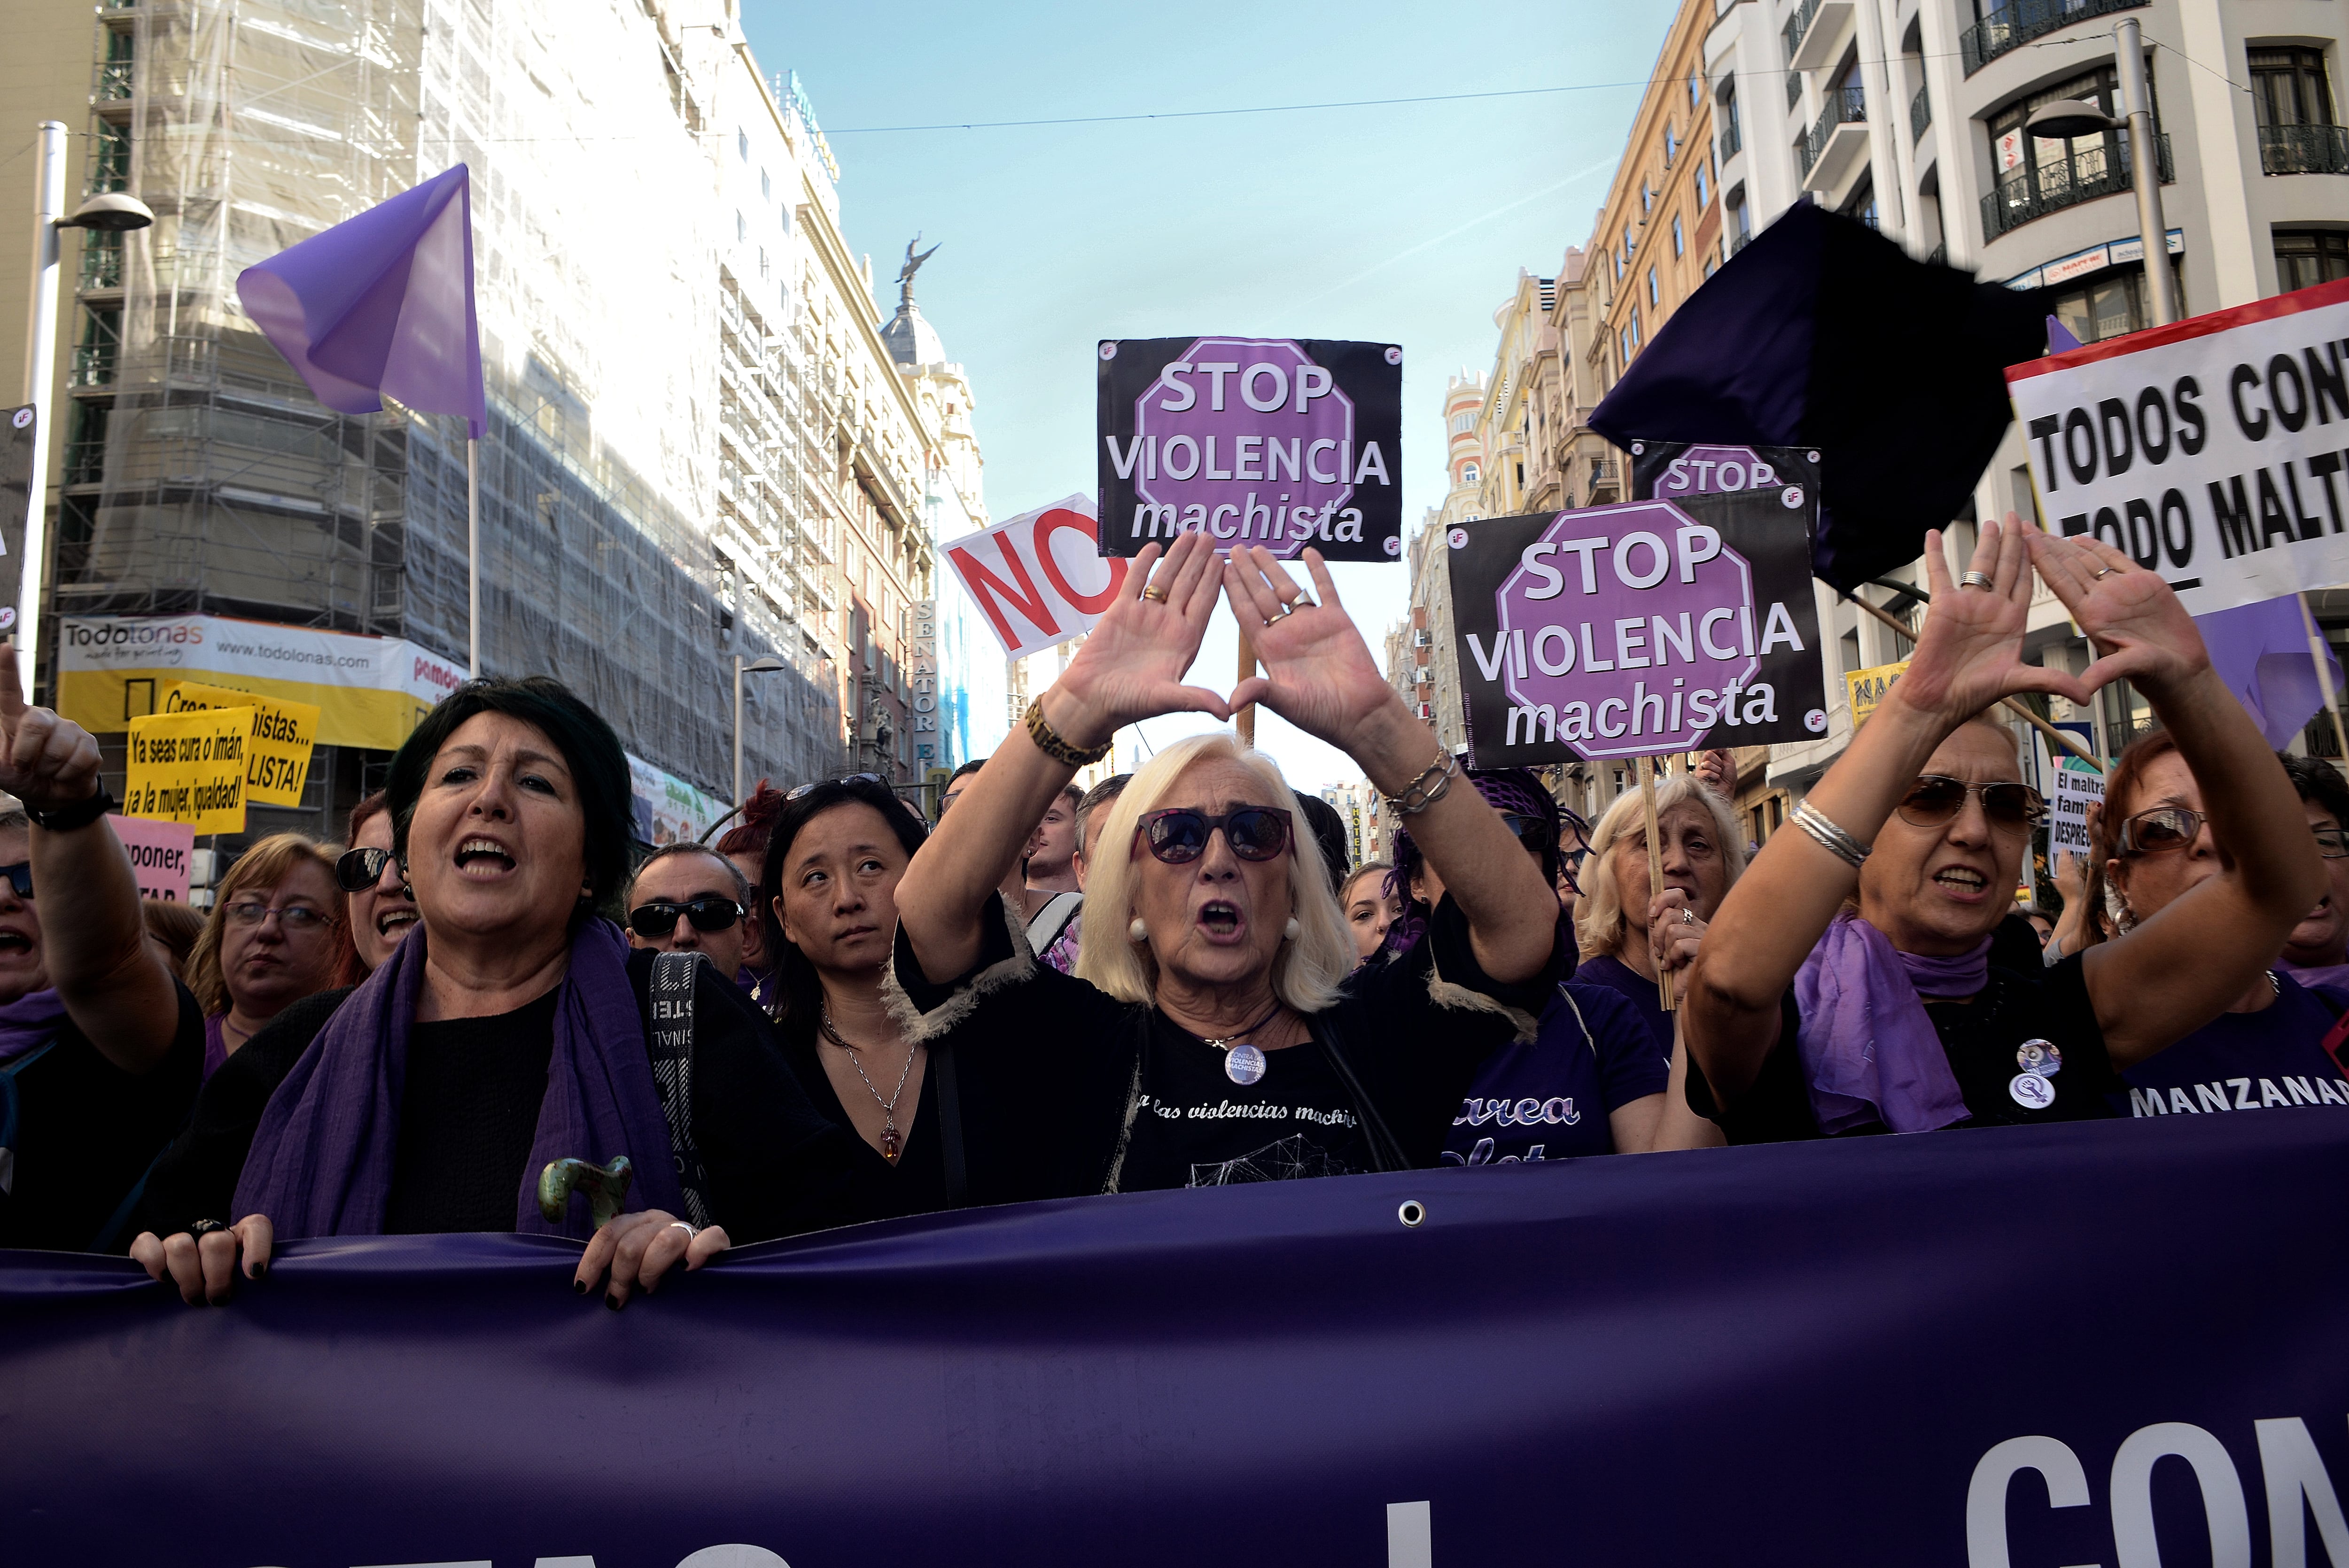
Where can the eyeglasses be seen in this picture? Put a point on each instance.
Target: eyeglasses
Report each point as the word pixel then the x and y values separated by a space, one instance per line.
pixel 20 877
pixel 2332 843
pixel 360 869
pixel 844 779
pixel 1180 835
pixel 1935 798
pixel 660 918
pixel 1533 833
pixel 293 918
pixel 2164 831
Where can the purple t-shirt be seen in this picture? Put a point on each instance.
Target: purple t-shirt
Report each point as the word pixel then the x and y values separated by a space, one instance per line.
pixel 2242 1061
pixel 1549 1099
pixel 1634 989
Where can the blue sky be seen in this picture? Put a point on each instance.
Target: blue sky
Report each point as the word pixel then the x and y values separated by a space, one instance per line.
pixel 1401 224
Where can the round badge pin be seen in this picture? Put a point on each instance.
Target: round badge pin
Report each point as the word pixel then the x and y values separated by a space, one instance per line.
pixel 1394 356
pixel 1393 545
pixel 1109 350
pixel 2040 1057
pixel 2030 1092
pixel 1244 1064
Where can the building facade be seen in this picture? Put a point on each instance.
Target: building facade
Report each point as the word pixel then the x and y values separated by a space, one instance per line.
pixel 700 446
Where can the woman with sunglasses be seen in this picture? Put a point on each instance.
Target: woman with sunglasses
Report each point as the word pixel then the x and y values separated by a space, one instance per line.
pixel 2159 844
pixel 1805 1018
pixel 377 903
pixel 1208 1035
pixel 101 1050
pixel 274 935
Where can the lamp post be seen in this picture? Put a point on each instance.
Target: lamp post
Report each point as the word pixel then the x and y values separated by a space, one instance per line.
pixel 114 212
pixel 2069 118
pixel 765 664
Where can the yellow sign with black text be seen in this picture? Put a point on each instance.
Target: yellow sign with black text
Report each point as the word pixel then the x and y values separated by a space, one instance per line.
pixel 1866 688
pixel 189 767
pixel 277 761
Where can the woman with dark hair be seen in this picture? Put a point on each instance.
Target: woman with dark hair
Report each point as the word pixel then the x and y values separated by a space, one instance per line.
pixel 515 1028
pixel 1806 1016
pixel 381 909
pixel 2159 843
pixel 745 844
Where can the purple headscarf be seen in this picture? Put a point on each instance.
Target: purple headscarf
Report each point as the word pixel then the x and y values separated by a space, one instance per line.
pixel 29 1022
pixel 321 1164
pixel 2309 974
pixel 1869 1052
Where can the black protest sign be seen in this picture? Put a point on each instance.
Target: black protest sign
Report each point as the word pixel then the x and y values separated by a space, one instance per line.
pixel 1278 442
pixel 1637 630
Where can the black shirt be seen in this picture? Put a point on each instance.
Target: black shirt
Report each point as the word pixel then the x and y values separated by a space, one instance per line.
pixel 1981 1037
pixel 1052 1072
pixel 1195 1126
pixel 86 1132
pixel 468 1116
pixel 776 1167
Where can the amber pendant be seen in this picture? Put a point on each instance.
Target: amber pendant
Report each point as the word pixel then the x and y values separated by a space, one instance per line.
pixel 891 1144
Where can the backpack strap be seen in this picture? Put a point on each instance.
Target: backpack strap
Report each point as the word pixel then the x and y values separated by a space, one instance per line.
pixel 1052 919
pixel 671 1045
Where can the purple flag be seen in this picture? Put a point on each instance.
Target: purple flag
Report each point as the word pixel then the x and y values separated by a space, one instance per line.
pixel 2260 651
pixel 2059 337
pixel 382 303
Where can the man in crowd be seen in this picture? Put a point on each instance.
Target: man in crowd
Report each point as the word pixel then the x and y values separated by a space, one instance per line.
pixel 688 898
pixel 1050 892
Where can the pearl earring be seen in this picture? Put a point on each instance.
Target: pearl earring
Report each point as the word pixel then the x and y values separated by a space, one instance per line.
pixel 1137 931
pixel 1289 932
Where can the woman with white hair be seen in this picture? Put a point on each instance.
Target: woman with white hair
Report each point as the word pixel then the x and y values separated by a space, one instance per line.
pixel 1631 927
pixel 1206 1037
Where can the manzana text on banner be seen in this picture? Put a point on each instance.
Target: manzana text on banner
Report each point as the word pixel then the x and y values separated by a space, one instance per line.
pixel 1039 578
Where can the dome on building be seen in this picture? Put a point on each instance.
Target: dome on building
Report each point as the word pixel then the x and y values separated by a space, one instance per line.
pixel 910 340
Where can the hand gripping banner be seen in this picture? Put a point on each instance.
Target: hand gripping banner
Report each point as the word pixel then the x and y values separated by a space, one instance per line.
pixel 2117 1344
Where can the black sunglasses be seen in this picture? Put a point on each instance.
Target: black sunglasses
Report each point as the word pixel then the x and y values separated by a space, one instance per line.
pixel 660 918
pixel 1935 799
pixel 1533 833
pixel 20 877
pixel 360 869
pixel 1179 835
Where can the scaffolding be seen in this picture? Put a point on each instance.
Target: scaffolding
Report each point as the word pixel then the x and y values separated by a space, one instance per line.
pixel 637 416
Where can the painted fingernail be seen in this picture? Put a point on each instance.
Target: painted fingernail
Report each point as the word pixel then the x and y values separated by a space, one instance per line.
pixel 579 1287
pixel 613 1302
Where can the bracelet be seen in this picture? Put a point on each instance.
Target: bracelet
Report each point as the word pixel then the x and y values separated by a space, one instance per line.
pixel 1048 741
pixel 1427 788
pixel 73 814
pixel 1829 837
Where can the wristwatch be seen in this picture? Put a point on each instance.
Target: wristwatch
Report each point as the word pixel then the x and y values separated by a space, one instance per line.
pixel 73 815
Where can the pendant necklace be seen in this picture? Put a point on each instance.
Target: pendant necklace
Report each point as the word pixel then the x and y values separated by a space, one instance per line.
pixel 892 1143
pixel 1244 1063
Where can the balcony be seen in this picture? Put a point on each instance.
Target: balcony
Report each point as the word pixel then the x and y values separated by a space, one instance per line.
pixel 1794 88
pixel 113 84
pixel 1741 242
pixel 2013 25
pixel 1921 115
pixel 2034 191
pixel 2304 150
pixel 101 261
pixel 93 365
pixel 1836 142
pixel 1732 140
pixel 1812 32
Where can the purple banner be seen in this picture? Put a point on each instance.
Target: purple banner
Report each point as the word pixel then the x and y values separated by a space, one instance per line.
pixel 1274 441
pixel 2115 1343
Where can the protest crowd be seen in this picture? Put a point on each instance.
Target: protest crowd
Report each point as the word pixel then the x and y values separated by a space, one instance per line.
pixel 464 1017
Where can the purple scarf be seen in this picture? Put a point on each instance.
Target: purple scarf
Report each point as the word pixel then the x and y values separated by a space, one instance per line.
pixel 2308 974
pixel 1869 1052
pixel 321 1164
pixel 28 1023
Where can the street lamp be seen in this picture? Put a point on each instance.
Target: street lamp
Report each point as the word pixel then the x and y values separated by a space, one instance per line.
pixel 765 664
pixel 2068 118
pixel 113 213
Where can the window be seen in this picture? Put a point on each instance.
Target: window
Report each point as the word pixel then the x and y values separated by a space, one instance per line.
pixel 1623 344
pixel 2307 257
pixel 2287 87
pixel 2108 305
pixel 1646 198
pixel 1703 189
pixel 1635 326
pixel 1680 244
pixel 1630 243
pixel 1468 472
pixel 1654 296
pixel 742 145
pixel 1696 88
pixel 1710 263
pixel 1671 143
pixel 741 229
pixel 762 263
pixel 2031 169
pixel 766 186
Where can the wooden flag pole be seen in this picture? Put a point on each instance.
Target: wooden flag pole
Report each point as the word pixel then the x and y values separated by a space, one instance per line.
pixel 2062 737
pixel 2323 676
pixel 1244 721
pixel 1664 996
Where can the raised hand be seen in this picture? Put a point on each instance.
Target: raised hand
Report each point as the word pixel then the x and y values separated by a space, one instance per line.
pixel 1319 674
pixel 1970 651
pixel 2132 617
pixel 1131 667
pixel 45 761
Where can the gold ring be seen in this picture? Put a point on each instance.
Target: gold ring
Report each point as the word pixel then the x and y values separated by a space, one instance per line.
pixel 1154 593
pixel 2107 571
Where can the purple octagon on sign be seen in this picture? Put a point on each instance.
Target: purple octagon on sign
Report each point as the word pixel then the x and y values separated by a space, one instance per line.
pixel 1250 439
pixel 1623 629
pixel 1714 470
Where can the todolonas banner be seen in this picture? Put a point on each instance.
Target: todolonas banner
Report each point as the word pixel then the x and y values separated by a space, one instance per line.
pixel 2115 1343
pixel 1644 628
pixel 2204 449
pixel 1276 441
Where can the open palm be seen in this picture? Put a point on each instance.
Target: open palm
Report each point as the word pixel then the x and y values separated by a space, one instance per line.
pixel 1131 667
pixel 2131 616
pixel 1970 651
pixel 1319 674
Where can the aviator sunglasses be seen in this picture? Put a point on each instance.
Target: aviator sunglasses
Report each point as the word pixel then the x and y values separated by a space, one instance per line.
pixel 1179 835
pixel 660 918
pixel 359 870
pixel 1935 798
